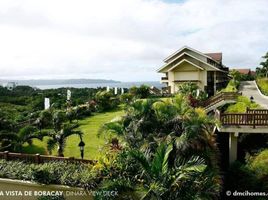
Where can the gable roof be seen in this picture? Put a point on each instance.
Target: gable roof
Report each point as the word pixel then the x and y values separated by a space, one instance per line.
pixel 180 55
pixel 215 56
pixel 243 71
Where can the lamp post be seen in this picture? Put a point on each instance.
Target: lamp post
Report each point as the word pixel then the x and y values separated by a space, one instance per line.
pixel 81 146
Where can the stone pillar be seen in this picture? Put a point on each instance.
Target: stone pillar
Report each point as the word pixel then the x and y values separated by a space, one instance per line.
pixel 232 147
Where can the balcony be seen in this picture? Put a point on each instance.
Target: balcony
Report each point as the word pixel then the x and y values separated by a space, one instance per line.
pixel 164 79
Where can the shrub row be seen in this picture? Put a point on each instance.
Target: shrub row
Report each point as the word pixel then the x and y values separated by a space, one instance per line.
pixel 63 173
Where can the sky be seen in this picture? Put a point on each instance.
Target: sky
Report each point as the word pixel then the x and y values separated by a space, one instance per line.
pixel 124 40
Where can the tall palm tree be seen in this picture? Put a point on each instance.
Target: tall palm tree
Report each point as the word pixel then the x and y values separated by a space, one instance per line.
pixel 58 138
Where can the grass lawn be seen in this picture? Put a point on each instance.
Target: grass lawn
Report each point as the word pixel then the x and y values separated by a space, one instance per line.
pixel 89 126
pixel 263 85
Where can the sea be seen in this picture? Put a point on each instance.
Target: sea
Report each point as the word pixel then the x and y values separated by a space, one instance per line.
pixel 156 84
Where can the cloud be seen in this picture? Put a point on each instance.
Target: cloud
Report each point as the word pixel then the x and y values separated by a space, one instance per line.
pixel 124 40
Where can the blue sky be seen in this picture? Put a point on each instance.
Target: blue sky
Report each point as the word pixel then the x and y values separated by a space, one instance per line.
pixel 124 40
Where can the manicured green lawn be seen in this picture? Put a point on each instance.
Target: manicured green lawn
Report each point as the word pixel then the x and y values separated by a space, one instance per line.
pixel 89 126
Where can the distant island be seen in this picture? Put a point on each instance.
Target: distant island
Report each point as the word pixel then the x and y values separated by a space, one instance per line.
pixel 37 82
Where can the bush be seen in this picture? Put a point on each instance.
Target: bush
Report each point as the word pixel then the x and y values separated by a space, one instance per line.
pixel 232 86
pixel 82 111
pixel 241 105
pixel 42 176
pixel 126 97
pixel 259 164
pixel 71 174
pixel 240 177
pixel 106 101
pixel 140 92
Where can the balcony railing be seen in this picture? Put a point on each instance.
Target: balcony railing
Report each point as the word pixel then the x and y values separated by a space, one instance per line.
pixel 221 97
pixel 251 118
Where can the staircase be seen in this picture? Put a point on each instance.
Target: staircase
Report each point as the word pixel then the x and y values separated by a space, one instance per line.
pixel 220 99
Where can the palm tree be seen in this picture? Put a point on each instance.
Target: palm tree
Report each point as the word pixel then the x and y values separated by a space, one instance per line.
pixel 180 180
pixel 236 76
pixel 264 65
pixel 58 119
pixel 58 138
pixel 189 134
pixel 15 141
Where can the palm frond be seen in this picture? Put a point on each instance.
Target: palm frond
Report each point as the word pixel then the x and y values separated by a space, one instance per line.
pixel 111 127
pixel 139 157
pixel 8 136
pixel 160 162
pixel 51 145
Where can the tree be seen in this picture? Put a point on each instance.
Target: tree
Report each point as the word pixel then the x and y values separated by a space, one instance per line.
pixel 264 65
pixel 58 118
pixel 71 115
pixel 175 147
pixel 236 76
pixel 15 141
pixel 171 180
pixel 140 92
pixel 105 101
pixel 45 119
pixel 58 138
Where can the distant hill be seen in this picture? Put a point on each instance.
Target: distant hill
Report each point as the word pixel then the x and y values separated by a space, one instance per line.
pixel 58 81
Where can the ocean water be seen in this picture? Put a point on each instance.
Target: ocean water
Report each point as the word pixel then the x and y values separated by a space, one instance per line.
pixel 95 85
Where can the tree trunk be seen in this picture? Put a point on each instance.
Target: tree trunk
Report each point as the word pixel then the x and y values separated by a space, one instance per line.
pixel 60 151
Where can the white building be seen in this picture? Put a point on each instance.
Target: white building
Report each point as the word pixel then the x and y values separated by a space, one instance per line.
pixel 190 65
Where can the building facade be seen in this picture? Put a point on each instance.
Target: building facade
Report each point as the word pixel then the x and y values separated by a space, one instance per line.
pixel 190 65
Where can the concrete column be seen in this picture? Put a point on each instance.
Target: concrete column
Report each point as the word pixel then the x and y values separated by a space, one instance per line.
pixel 232 147
pixel 171 78
pixel 215 80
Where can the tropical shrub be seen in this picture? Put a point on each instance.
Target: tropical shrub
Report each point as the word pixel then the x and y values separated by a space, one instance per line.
pixel 141 92
pixel 105 101
pixel 232 86
pixel 64 173
pixel 241 178
pixel 126 97
pixel 82 111
pixel 241 105
pixel 167 136
pixel 259 164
